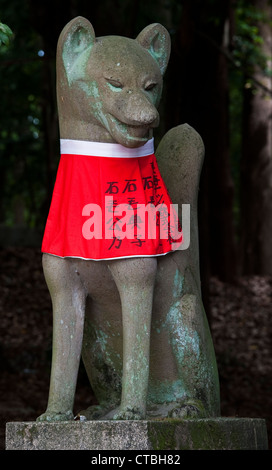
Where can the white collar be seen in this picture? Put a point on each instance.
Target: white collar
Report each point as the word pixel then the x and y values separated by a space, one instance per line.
pixel 102 149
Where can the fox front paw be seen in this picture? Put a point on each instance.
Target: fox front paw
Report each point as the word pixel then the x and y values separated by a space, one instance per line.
pixel 55 416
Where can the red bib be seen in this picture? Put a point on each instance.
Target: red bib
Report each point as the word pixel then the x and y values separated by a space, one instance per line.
pixel 109 202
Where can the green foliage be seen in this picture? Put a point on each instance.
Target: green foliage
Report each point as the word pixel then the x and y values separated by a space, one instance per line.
pixel 248 41
pixel 5 34
pixel 22 160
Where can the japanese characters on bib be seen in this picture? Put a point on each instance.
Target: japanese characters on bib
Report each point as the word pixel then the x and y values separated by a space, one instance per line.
pixel 110 202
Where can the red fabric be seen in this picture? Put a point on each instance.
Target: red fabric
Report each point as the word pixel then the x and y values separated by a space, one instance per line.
pixel 83 180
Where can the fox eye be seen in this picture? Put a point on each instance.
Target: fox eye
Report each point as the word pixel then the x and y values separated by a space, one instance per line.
pixel 114 84
pixel 150 86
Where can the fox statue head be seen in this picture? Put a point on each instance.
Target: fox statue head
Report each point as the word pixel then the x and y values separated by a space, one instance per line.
pixel 109 88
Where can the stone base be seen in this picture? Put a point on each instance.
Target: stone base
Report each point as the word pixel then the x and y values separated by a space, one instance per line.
pixel 166 434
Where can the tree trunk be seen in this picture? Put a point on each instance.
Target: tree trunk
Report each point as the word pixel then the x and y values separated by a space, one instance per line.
pixel 198 82
pixel 256 165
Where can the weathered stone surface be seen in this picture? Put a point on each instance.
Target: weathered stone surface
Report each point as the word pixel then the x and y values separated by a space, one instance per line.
pixel 169 434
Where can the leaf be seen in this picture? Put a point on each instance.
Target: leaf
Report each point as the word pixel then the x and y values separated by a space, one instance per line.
pixel 5 34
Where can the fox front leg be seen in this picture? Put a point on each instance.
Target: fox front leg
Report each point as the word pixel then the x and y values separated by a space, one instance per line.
pixel 68 300
pixel 135 281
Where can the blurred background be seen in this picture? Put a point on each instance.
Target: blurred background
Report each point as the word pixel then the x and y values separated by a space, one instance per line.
pixel 219 80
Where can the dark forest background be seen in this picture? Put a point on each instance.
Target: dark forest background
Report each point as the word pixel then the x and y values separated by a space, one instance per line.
pixel 219 80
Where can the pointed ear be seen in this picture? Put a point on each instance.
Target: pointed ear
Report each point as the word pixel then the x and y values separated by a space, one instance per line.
pixel 74 47
pixel 156 39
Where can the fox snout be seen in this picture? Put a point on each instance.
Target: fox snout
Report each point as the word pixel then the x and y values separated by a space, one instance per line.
pixel 136 110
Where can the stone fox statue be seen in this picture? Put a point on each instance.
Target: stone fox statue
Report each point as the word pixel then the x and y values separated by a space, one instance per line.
pixel 131 306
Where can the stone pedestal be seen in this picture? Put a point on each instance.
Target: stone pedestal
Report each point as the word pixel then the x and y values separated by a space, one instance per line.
pixel 166 434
